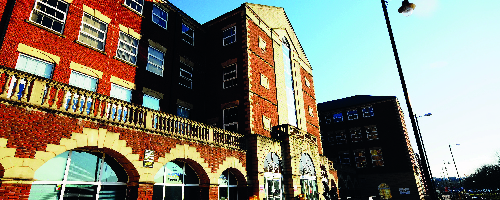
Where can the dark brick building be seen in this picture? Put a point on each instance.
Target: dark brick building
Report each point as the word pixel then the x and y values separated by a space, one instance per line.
pixel 366 138
pixel 131 98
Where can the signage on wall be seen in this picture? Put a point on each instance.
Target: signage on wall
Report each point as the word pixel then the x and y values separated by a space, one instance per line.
pixel 404 190
pixel 149 158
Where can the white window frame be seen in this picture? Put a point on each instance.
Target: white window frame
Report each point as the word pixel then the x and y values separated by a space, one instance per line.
pixel 189 79
pixel 103 40
pixel 172 184
pixel 352 116
pixel 224 118
pixel 119 49
pixel 366 111
pixel 137 2
pixel 153 15
pixel 63 22
pixel 65 182
pixel 152 97
pixel 233 35
pixel 81 99
pixel 23 81
pixel 162 61
pixel 222 184
pixel 224 80
pixel 190 36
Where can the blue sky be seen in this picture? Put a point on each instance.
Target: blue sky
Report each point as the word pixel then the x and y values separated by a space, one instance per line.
pixel 449 52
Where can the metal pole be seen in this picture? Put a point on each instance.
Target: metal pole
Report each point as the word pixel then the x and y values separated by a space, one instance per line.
pixel 425 172
pixel 425 152
pixel 456 169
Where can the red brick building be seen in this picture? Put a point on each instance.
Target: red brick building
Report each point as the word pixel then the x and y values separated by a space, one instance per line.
pixel 132 99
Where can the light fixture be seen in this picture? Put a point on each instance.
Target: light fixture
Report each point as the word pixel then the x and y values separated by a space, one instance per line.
pixel 406 8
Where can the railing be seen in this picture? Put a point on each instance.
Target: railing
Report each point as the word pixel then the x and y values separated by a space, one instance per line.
pixel 18 86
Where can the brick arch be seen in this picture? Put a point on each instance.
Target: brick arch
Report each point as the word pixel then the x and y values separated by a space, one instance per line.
pixel 97 139
pixel 234 166
pixel 202 174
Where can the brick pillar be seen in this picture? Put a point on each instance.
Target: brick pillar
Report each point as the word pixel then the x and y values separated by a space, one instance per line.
pixel 14 190
pixel 213 193
pixel 252 165
pixel 145 191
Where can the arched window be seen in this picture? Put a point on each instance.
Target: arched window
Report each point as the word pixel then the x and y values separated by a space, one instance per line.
pixel 79 175
pixel 176 181
pixel 273 178
pixel 290 94
pixel 228 186
pixel 308 183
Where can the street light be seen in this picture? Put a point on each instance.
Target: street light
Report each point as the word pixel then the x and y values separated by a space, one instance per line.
pixel 431 180
pixel 425 171
pixel 406 8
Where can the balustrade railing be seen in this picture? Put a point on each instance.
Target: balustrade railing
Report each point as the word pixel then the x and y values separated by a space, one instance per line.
pixel 18 86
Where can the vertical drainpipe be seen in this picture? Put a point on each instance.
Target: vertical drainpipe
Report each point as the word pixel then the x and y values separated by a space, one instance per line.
pixel 4 21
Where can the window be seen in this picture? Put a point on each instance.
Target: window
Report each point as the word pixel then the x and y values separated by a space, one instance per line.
pixel 355 135
pixel 121 93
pixel 371 133
pixel 155 61
pixel 352 114
pixel 228 186
pixel 264 81
pixel 262 44
pixel 186 75
pixel 160 17
pixel 93 32
pixel 229 76
pixel 360 158
pixel 307 83
pixel 31 65
pixel 311 111
pixel 308 181
pixel 127 48
pixel 368 111
pixel 272 177
pixel 266 123
pixel 50 14
pixel 187 34
pixel 344 158
pixel 229 36
pixel 377 160
pixel 151 102
pixel 337 117
pixel 83 81
pixel 290 94
pixel 80 175
pixel 340 137
pixel 135 5
pixel 230 116
pixel 176 180
pixel 183 111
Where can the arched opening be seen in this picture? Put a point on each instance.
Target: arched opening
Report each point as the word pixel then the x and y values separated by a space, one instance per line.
pixel 309 186
pixel 273 178
pixel 228 186
pixel 80 174
pixel 176 180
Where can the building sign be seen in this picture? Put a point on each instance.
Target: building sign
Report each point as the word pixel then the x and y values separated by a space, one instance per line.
pixel 149 158
pixel 404 190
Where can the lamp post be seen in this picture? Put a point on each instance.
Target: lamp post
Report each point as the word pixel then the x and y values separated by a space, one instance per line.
pixel 405 9
pixel 456 169
pixel 426 160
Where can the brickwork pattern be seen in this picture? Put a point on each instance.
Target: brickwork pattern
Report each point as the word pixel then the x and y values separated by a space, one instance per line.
pixel 14 191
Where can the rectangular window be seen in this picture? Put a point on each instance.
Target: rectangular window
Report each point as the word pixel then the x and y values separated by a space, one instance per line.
pixel 186 75
pixel 127 48
pixel 155 61
pixel 135 5
pixel 160 17
pixel 352 114
pixel 355 135
pixel 120 92
pixel 183 111
pixel 344 158
pixel 187 34
pixel 50 14
pixel 230 116
pixel 377 160
pixel 229 36
pixel 340 137
pixel 371 133
pixel 34 66
pixel 31 65
pixel 83 81
pixel 151 102
pixel 93 32
pixel 368 111
pixel 229 75
pixel 360 158
pixel 337 117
